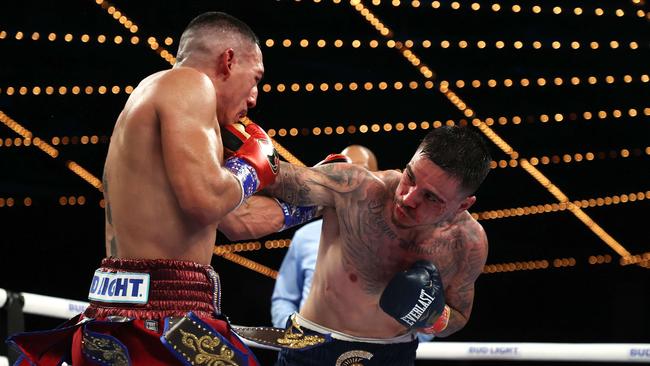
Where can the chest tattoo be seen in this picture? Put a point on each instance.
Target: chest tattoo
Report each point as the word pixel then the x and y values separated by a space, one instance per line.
pixel 369 245
pixel 444 244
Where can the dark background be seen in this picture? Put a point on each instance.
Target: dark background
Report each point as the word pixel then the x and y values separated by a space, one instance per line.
pixel 52 249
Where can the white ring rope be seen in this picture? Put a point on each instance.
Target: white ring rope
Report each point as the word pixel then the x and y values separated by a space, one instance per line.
pixel 52 306
pixel 582 352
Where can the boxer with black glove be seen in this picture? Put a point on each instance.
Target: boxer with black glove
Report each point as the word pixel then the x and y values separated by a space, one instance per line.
pixel 415 298
pixel 296 215
pixel 234 136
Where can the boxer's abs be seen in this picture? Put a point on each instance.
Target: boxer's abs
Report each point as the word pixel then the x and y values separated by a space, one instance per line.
pixel 338 301
pixel 351 275
pixel 140 203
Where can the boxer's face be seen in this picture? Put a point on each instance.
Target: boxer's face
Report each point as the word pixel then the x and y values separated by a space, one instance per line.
pixel 427 195
pixel 240 92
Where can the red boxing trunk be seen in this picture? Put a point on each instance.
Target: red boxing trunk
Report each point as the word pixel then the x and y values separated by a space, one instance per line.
pixel 143 312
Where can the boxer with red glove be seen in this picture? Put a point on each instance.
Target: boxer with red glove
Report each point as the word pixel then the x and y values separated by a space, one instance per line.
pixel 415 298
pixel 255 163
pixel 235 135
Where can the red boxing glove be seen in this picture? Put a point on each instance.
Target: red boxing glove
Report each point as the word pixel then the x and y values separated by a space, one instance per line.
pixel 255 163
pixel 258 150
pixel 233 137
pixel 334 158
pixel 440 323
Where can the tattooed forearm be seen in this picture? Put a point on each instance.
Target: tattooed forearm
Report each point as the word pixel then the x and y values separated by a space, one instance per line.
pixel 475 262
pixel 314 186
pixel 291 185
pixel 460 294
pixel 456 322
pixel 460 302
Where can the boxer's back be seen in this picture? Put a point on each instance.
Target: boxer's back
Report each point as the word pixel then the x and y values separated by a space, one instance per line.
pixel 361 250
pixel 144 219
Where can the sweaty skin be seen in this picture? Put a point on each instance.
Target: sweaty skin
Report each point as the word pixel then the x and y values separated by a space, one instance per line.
pixel 166 191
pixel 369 234
pixel 142 211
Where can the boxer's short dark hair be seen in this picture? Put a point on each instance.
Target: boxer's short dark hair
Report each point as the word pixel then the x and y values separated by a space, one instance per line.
pixel 461 152
pixel 223 21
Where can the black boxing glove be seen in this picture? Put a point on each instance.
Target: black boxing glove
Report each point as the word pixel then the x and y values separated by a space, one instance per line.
pixel 415 297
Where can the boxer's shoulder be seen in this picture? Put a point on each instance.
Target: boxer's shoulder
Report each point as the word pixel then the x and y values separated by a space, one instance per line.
pixel 385 181
pixel 184 81
pixel 471 228
pixel 388 176
pixel 181 89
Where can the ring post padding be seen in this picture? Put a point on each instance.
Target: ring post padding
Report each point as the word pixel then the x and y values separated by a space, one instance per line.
pixel 52 306
pixel 581 352
pixel 4 361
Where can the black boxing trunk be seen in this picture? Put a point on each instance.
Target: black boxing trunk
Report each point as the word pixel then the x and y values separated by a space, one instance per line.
pixel 153 289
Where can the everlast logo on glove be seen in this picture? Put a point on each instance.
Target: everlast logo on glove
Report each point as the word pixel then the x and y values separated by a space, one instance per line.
pixel 414 297
pixel 274 160
pixel 419 309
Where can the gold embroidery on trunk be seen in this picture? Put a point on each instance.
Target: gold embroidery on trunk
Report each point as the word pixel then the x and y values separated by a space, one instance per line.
pixel 104 350
pixel 207 350
pixel 298 339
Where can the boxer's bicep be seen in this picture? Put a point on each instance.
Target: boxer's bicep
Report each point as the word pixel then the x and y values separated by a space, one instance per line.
pixel 192 151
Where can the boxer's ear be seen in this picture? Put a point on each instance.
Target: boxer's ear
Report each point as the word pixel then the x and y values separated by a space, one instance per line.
pixel 466 204
pixel 225 62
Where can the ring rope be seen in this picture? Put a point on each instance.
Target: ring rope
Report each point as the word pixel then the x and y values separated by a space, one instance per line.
pixel 582 352
pixel 496 139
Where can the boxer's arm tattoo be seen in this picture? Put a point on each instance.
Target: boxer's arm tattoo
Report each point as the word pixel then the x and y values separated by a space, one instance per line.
pixel 315 186
pixel 460 295
pixel 460 302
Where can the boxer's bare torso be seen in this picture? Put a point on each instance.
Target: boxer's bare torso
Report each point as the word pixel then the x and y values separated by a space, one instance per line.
pixel 362 247
pixel 143 216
